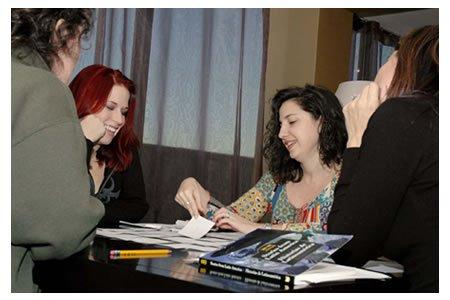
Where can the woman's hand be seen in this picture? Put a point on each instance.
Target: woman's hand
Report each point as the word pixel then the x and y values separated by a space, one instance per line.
pixel 358 112
pixel 192 196
pixel 225 219
pixel 386 74
pixel 93 128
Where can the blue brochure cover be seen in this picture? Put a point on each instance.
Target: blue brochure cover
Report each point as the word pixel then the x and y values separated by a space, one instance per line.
pixel 274 254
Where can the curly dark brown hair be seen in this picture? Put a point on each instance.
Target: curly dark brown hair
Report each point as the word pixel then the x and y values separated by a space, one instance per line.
pixel 320 103
pixel 34 29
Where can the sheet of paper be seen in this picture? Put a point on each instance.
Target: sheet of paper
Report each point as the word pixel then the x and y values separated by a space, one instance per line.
pixel 200 242
pixel 166 236
pixel 142 225
pixel 160 234
pixel 383 266
pixel 191 247
pixel 230 236
pixel 215 240
pixel 145 240
pixel 197 227
pixel 324 272
pixel 180 223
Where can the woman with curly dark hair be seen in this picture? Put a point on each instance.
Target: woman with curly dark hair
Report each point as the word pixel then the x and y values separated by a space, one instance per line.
pixel 304 142
pixel 52 212
pixel 53 34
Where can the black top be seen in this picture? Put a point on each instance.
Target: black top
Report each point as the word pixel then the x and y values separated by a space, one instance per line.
pixel 122 193
pixel 387 194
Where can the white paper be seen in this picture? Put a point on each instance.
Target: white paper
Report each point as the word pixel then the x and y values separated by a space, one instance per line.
pixel 200 242
pixel 384 266
pixel 180 223
pixel 325 272
pixel 165 235
pixel 191 247
pixel 197 227
pixel 230 236
pixel 149 241
pixel 143 225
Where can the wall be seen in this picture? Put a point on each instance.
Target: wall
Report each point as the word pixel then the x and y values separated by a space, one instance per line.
pixel 292 47
pixel 307 45
pixel 333 47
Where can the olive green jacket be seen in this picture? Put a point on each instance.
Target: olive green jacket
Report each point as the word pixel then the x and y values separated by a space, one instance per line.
pixel 52 212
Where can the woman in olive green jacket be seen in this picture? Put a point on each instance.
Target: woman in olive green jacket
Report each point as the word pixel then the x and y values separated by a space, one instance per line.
pixel 52 212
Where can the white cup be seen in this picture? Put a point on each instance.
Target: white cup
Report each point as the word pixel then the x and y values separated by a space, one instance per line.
pixel 349 90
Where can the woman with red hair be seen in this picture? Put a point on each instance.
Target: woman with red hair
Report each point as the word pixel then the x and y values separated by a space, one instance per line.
pixel 105 104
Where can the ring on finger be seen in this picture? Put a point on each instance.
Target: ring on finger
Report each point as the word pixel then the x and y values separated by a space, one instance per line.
pixel 188 203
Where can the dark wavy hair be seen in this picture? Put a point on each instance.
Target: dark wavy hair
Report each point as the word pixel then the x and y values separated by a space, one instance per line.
pixel 34 29
pixel 417 67
pixel 320 103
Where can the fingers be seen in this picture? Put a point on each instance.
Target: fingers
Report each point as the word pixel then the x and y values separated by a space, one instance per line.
pixel 225 220
pixel 192 202
pixel 93 128
pixel 188 201
pixel 363 94
pixel 202 196
pixel 227 227
pixel 347 107
pixel 225 223
pixel 370 96
pixel 374 93
pixel 220 214
pixel 187 197
pixel 184 200
pixel 181 199
pixel 198 202
pixel 368 100
pixel 358 112
pixel 347 111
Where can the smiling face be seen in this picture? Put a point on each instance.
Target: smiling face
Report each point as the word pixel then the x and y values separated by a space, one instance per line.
pixel 299 131
pixel 114 113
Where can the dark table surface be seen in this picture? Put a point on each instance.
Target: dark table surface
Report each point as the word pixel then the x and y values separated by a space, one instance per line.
pixel 92 271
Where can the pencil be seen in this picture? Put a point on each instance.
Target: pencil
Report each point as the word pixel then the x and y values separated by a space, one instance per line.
pixel 139 253
pixel 114 257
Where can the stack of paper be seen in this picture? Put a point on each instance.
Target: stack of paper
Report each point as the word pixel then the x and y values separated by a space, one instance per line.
pixel 194 235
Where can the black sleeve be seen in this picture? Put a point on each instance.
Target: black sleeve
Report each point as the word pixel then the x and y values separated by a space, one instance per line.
pixel 131 205
pixel 89 147
pixel 374 180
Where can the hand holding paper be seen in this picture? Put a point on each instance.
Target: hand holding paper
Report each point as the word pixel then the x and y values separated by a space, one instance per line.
pixel 192 196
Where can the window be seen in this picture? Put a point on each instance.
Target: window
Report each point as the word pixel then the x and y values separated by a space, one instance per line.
pixel 194 79
pixel 372 46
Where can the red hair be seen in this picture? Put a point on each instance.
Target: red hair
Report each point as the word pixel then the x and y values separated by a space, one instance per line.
pixel 91 88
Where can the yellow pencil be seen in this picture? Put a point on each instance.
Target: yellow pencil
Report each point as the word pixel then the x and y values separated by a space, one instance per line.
pixel 114 254
pixel 112 257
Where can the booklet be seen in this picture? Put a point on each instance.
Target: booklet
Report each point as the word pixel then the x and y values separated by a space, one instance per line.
pixel 274 255
pixel 320 273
